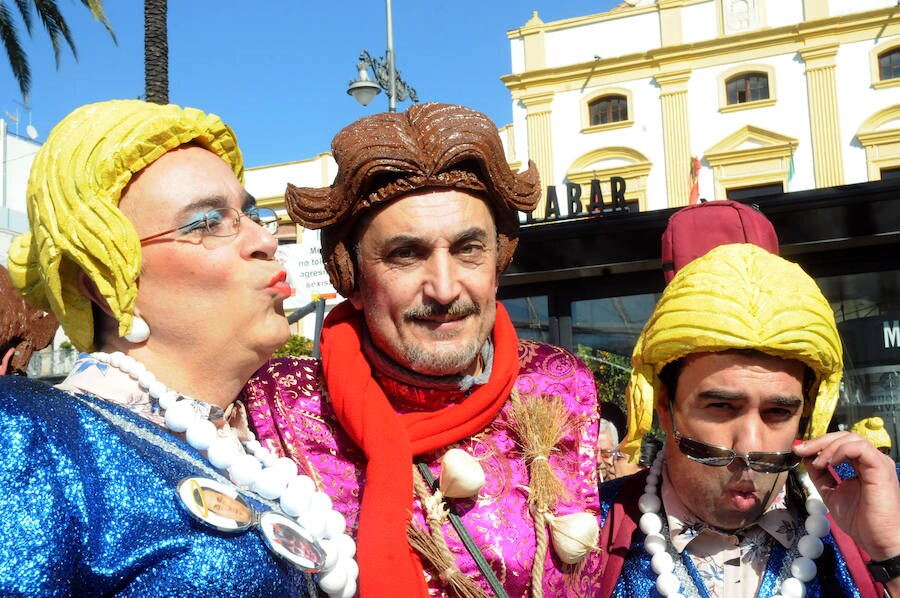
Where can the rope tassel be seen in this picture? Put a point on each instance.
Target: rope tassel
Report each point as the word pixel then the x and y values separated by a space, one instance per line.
pixel 540 423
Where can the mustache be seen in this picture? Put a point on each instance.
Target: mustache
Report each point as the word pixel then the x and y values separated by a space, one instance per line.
pixel 456 309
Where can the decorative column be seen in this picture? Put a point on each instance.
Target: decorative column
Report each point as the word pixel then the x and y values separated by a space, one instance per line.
pixel 821 91
pixel 532 34
pixel 676 135
pixel 813 10
pixel 540 147
pixel 670 25
pixel 538 105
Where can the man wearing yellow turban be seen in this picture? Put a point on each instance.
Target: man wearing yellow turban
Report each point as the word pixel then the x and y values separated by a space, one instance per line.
pixel 739 360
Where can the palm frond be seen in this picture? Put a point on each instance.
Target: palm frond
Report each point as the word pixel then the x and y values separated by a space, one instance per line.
pixel 56 27
pixel 24 7
pixel 18 61
pixel 96 8
pixel 53 22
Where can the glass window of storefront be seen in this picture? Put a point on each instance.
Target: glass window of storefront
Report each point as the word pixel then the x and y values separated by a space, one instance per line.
pixel 611 324
pixel 867 309
pixel 530 317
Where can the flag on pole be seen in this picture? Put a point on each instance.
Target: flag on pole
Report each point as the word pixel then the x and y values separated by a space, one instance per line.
pixel 791 166
pixel 695 181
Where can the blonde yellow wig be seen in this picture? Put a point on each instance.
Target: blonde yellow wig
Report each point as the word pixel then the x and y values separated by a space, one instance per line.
pixel 76 181
pixel 873 430
pixel 737 297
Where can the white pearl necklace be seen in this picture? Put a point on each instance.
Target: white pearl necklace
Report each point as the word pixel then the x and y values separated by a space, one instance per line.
pixel 803 568
pixel 253 467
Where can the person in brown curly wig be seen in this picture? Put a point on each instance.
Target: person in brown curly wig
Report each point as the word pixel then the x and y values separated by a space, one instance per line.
pixel 386 156
pixel 421 220
pixel 23 329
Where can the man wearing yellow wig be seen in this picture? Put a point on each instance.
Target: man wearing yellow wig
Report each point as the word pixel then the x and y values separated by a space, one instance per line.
pixel 740 360
pixel 155 260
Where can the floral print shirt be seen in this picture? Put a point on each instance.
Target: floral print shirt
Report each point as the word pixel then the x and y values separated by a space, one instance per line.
pixel 730 564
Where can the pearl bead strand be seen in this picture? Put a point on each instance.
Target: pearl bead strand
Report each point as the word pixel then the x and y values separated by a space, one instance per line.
pixel 253 467
pixel 803 568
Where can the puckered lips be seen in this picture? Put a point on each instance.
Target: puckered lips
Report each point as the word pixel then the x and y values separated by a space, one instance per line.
pixel 742 495
pixel 279 285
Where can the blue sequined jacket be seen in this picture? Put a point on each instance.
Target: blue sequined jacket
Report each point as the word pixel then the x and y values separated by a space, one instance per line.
pixel 87 492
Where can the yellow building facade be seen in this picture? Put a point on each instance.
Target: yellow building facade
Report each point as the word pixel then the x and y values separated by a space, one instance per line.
pixel 771 95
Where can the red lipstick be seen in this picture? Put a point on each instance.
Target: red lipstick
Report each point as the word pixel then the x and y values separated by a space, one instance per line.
pixel 280 286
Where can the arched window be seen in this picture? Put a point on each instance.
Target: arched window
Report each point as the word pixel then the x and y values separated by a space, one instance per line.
pixel 608 109
pixel 747 87
pixel 889 64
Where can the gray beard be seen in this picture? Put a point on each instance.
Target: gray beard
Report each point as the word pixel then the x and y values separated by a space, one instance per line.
pixel 441 363
pixel 386 365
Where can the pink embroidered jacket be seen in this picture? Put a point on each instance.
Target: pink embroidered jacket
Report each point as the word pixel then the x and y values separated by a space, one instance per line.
pixel 293 417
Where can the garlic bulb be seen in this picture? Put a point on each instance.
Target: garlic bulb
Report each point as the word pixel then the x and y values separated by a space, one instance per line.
pixel 461 474
pixel 573 536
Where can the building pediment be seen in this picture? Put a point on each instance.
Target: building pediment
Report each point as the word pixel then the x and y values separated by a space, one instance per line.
pixel 882 124
pixel 749 141
pixel 606 159
pixel 880 135
pixel 750 157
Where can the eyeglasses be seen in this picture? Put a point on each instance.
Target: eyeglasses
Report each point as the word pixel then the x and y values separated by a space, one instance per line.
pixel 614 453
pixel 719 456
pixel 222 223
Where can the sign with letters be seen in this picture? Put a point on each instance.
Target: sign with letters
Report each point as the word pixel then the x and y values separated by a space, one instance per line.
pixel 596 206
pixel 871 341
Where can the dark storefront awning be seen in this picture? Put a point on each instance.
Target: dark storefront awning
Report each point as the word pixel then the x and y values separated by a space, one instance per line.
pixel 831 232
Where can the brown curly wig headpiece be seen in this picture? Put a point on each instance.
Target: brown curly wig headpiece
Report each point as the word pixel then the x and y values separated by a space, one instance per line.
pixel 22 327
pixel 385 156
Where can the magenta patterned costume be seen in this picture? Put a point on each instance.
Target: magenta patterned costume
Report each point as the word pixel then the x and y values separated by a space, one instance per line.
pixel 293 417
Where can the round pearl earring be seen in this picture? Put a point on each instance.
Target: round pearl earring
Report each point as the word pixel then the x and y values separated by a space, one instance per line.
pixel 140 331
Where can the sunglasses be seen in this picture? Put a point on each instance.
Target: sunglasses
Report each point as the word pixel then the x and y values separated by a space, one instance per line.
pixel 719 456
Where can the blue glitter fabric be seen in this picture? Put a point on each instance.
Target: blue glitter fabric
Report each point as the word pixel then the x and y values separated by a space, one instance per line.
pixel 845 471
pixel 638 579
pixel 87 492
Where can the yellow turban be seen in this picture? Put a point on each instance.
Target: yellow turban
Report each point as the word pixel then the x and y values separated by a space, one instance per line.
pixel 872 429
pixel 73 195
pixel 737 297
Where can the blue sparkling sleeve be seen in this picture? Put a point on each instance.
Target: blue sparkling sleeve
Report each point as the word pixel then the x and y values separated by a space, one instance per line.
pixel 89 508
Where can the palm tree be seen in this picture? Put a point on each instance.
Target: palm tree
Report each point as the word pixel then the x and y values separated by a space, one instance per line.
pixel 156 52
pixel 56 27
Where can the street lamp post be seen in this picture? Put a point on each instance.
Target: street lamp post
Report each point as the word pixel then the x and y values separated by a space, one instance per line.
pixel 386 75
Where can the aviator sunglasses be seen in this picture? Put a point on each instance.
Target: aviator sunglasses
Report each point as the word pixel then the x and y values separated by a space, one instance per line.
pixel 719 456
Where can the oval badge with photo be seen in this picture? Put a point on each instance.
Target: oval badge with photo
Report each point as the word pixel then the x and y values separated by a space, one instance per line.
pixel 286 538
pixel 215 504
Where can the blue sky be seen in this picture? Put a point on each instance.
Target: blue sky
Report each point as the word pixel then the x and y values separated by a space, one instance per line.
pixel 278 72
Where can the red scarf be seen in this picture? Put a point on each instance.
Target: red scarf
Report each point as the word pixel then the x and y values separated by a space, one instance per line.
pixel 388 566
